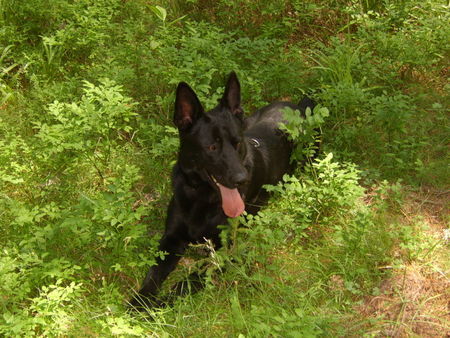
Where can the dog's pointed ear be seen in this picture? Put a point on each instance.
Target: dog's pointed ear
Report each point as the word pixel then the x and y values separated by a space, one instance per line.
pixel 231 98
pixel 187 107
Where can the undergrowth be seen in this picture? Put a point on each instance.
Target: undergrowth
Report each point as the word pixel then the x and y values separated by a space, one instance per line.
pixel 86 147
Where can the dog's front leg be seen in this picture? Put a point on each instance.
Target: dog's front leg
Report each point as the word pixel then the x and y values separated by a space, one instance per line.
pixel 146 296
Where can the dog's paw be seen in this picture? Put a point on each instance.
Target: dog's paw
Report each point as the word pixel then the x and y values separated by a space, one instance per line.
pixel 141 303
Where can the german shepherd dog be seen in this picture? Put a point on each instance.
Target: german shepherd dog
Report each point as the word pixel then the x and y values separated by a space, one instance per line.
pixel 224 160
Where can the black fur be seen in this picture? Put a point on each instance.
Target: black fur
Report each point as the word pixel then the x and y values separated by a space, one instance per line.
pixel 218 146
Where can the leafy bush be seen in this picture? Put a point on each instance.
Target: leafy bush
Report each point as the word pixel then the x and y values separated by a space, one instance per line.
pixel 85 161
pixel 304 131
pixel 101 116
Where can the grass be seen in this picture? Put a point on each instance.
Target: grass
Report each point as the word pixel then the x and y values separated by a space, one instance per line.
pixel 356 244
pixel 413 299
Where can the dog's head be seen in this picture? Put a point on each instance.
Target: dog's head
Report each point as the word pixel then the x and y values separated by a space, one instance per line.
pixel 211 143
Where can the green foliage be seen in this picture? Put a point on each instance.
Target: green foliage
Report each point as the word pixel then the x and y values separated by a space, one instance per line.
pixel 14 151
pixel 86 147
pixel 272 19
pixel 91 134
pixel 201 54
pixel 102 114
pixel 366 112
pixel 6 81
pixel 304 131
pixel 52 313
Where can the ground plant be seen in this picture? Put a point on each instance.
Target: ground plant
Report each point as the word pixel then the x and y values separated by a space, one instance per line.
pixel 354 243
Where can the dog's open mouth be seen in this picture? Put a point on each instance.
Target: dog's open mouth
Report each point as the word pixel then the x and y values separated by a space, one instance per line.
pixel 232 203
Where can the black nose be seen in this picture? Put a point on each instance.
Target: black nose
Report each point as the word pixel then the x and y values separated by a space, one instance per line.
pixel 240 178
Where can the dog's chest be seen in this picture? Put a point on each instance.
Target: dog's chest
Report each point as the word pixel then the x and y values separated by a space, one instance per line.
pixel 201 212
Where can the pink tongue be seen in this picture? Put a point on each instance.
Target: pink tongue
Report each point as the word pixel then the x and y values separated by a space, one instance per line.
pixel 232 203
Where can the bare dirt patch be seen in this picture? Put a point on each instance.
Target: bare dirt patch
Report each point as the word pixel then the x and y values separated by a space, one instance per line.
pixel 415 299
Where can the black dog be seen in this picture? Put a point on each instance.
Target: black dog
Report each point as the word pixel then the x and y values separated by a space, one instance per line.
pixel 223 162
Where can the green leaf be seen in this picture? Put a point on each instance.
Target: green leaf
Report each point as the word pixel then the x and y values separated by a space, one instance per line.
pixel 160 12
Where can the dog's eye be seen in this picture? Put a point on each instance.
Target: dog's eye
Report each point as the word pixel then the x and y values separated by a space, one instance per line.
pixel 212 147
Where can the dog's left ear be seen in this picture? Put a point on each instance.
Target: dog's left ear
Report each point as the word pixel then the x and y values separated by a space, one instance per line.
pixel 231 99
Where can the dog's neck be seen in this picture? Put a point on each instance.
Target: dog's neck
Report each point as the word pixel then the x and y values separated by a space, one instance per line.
pixel 192 178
